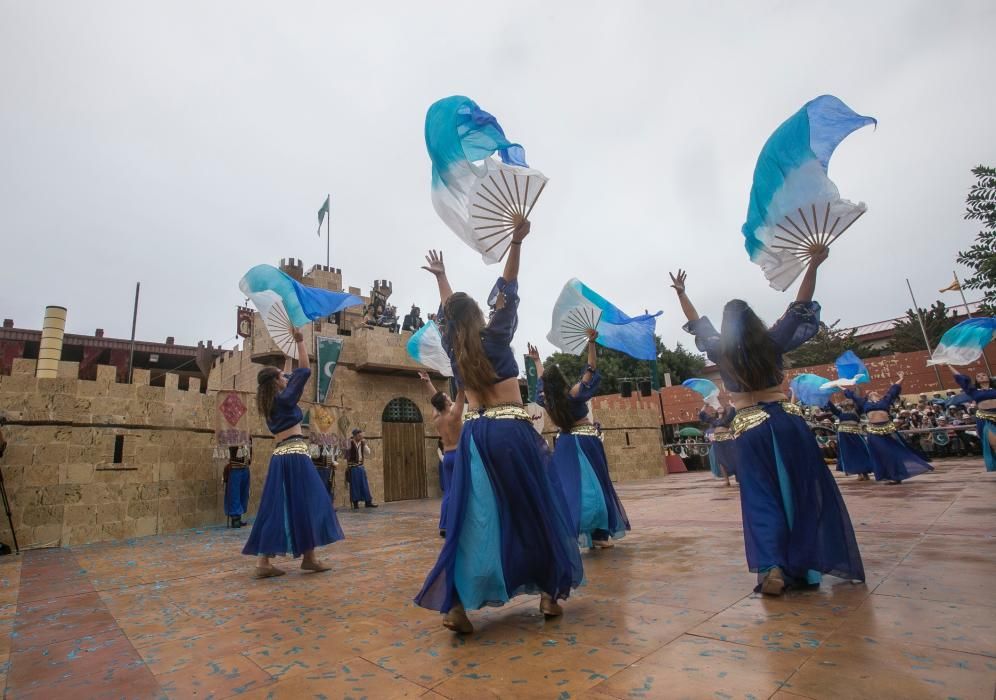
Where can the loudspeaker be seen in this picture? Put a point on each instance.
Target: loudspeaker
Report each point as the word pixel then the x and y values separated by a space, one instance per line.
pixel 626 389
pixel 644 386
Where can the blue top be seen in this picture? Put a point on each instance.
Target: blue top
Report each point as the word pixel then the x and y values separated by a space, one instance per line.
pixel 578 404
pixel 968 386
pixel 285 413
pixel 842 416
pixel 496 336
pixel 863 405
pixel 723 420
pixel 800 322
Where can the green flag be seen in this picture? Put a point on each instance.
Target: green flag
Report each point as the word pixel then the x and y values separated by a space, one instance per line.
pixel 531 377
pixel 327 356
pixel 322 213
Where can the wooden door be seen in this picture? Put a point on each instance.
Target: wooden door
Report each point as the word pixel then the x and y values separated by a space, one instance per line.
pixel 404 461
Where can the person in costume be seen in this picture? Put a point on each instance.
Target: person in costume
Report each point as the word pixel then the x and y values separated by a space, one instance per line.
pixel 796 526
pixel 982 392
pixel 236 478
pixel 295 514
pixel 356 473
pixel 853 456
pixel 448 419
pixel 893 460
pixel 507 529
pixel 721 453
pixel 579 465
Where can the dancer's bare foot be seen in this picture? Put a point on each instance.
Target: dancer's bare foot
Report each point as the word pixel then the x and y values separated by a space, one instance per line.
pixel 457 621
pixel 550 607
pixel 315 565
pixel 602 544
pixel 268 572
pixel 774 582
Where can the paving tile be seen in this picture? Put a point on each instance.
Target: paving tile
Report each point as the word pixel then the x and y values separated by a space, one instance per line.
pixel 353 678
pixel 218 678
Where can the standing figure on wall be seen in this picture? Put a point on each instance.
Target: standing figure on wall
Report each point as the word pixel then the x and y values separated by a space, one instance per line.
pixel 579 467
pixel 448 419
pixel 236 478
pixel 356 473
pixel 295 514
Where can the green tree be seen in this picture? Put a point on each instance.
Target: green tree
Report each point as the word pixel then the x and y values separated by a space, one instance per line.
pixel 615 366
pixel 907 336
pixel 981 257
pixel 826 346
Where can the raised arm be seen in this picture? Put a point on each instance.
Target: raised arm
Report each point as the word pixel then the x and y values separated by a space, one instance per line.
pixel 818 253
pixel 965 383
pixel 832 408
pixel 534 355
pixel 519 234
pixel 588 373
pixel 459 401
pixel 678 284
pixel 427 383
pixel 438 268
pixel 302 351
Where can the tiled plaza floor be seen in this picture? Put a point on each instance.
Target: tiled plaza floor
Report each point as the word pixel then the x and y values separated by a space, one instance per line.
pixel 668 613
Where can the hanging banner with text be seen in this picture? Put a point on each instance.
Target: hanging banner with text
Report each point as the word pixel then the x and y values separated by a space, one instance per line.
pixel 530 377
pixel 327 355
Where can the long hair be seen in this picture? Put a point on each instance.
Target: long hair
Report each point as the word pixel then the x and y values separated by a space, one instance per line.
pixel 267 391
pixel 555 390
pixel 464 323
pixel 746 349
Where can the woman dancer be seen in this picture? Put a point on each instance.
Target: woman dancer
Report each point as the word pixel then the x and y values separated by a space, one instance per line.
pixel 448 418
pixel 507 530
pixel 721 451
pixel 579 466
pixel 892 459
pixel 853 456
pixel 985 412
pixel 796 525
pixel 295 513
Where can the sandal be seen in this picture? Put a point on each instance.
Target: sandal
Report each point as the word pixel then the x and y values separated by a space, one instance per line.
pixel 270 572
pixel 456 620
pixel 315 566
pixel 550 607
pixel 774 583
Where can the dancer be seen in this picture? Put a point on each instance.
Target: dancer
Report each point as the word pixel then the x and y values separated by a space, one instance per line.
pixel 796 525
pixel 236 478
pixel 579 466
pixel 295 514
pixel 893 460
pixel 356 473
pixel 985 412
pixel 853 456
pixel 722 455
pixel 507 529
pixel 448 419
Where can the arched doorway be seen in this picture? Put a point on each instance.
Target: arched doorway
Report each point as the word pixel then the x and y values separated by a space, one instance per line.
pixel 404 451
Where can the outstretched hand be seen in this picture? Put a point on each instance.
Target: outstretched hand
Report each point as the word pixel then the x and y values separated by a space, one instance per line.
pixel 899 378
pixel 592 335
pixel 678 281
pixel 423 376
pixel 532 353
pixel 818 254
pixel 436 265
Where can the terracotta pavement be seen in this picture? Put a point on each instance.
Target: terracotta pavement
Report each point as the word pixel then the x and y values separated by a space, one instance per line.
pixel 668 613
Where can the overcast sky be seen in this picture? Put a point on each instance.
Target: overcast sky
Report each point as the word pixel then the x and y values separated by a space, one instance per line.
pixel 180 143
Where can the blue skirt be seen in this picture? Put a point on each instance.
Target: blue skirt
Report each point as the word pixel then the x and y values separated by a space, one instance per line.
pixel 984 429
pixel 893 459
pixel 723 453
pixel 581 471
pixel 359 489
pixel 507 528
pixel 793 514
pixel 295 513
pixel 853 456
pixel 237 492
pixel 445 477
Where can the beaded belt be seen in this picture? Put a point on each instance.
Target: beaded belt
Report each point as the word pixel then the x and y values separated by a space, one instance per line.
pixel 722 437
pixel 585 429
pixel 292 447
pixel 752 416
pixel 881 429
pixel 508 411
pixel 986 415
pixel 852 428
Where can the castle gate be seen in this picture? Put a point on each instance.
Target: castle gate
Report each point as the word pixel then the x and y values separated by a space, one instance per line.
pixel 404 451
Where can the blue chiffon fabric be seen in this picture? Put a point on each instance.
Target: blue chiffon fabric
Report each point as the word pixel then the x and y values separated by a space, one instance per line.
pixel 445 479
pixel 983 427
pixel 793 514
pixel 723 453
pixel 295 514
pixel 237 492
pixel 359 488
pixel 893 459
pixel 507 528
pixel 853 456
pixel 581 471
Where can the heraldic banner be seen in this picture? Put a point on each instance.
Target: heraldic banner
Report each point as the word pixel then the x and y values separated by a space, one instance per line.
pixel 231 424
pixel 327 354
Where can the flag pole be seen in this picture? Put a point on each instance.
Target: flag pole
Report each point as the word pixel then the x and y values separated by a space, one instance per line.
pixel 328 231
pixel 968 311
pixel 923 329
pixel 134 321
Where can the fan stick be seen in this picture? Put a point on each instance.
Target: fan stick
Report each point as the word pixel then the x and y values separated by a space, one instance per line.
pixel 860 214
pixel 805 222
pixel 511 196
pixel 518 194
pixel 510 207
pixel 508 230
pixel 503 224
pixel 798 230
pixel 494 200
pixel 485 218
pixel 498 243
pixel 538 193
pixel 491 211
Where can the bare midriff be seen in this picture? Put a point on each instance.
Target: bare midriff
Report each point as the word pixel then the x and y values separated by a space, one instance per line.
pixel 721 430
pixel 849 422
pixel 878 417
pixel 290 432
pixel 987 405
pixel 503 393
pixel 743 399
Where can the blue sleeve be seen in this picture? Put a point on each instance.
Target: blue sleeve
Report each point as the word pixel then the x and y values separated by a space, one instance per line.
pixel 706 336
pixel 505 320
pixel 586 390
pixel 891 395
pixel 832 408
pixel 799 323
pixel 295 385
pixel 859 401
pixel 966 384
pixel 540 397
pixel 706 418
